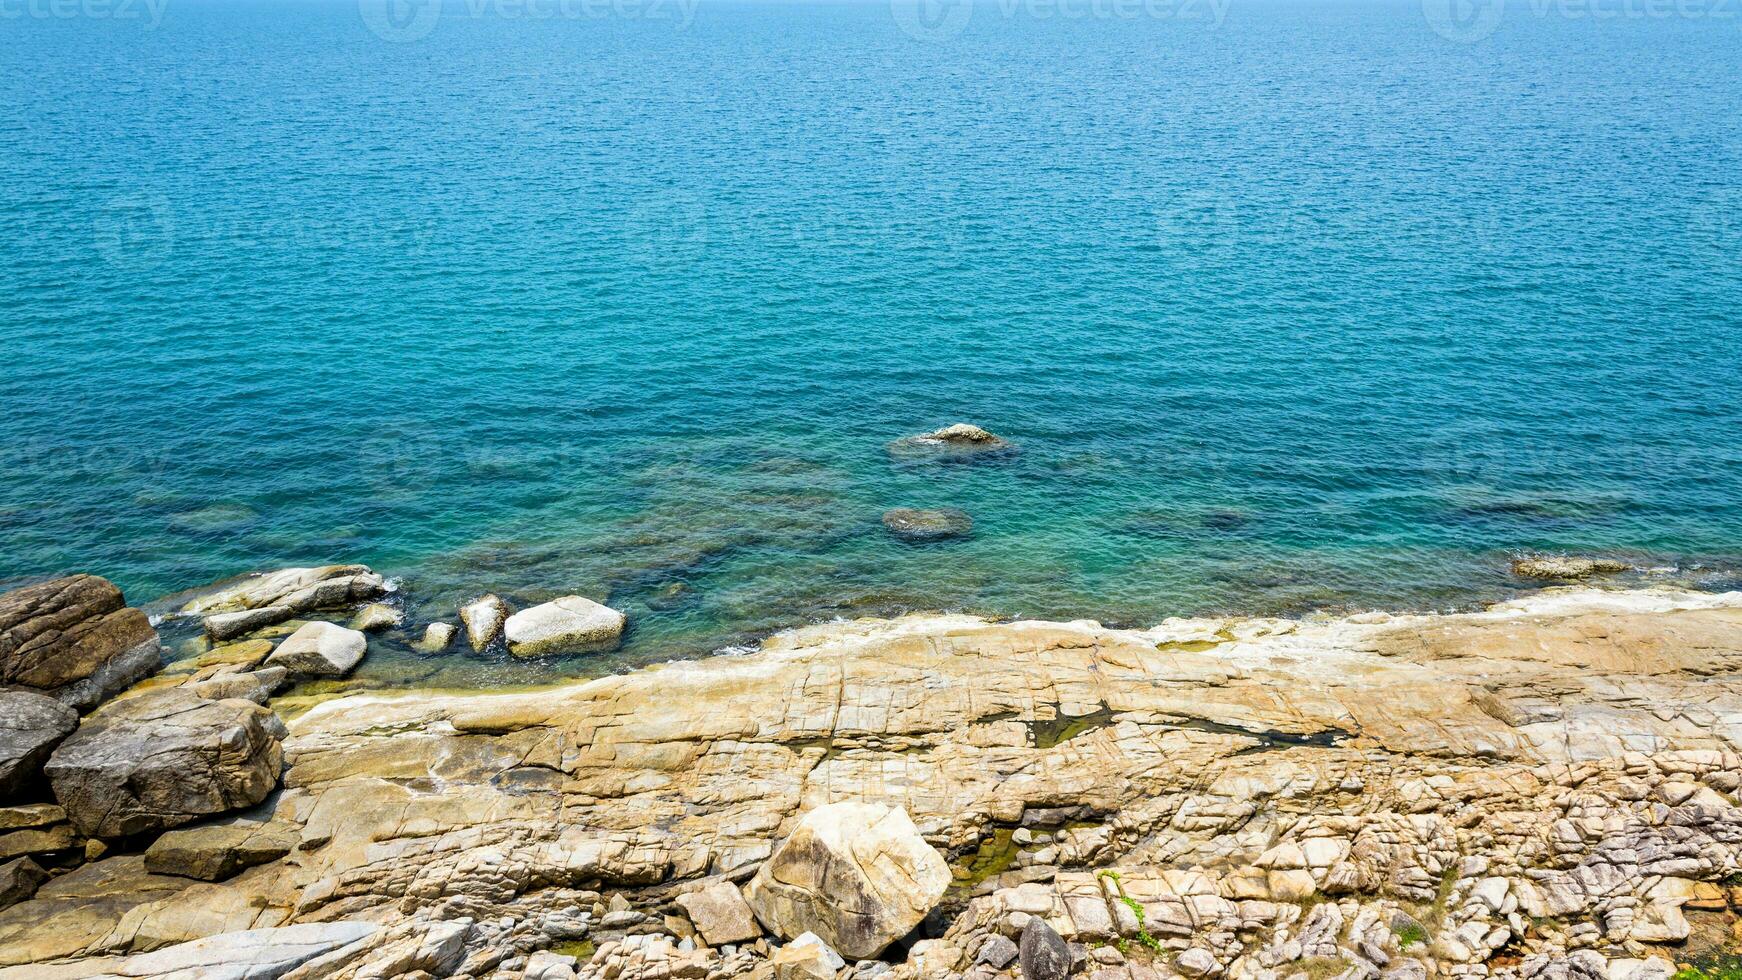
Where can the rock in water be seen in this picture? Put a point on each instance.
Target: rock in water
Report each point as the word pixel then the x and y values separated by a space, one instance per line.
pixel 572 624
pixel 1552 567
pixel 164 759
pixel 720 914
pixel 376 616
pixel 1043 953
pixel 213 852
pixel 959 441
pixel 19 880
pixel 436 638
pixel 31 725
pixel 484 618
pixel 320 650
pixel 909 524
pixel 859 875
pixel 75 640
pixel 265 600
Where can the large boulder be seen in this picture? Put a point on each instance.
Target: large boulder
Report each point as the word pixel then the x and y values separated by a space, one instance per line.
pixel 164 759
pixel 75 640
pixel 909 524
pixel 320 650
pixel 859 875
pixel 572 624
pixel 483 618
pixel 259 601
pixel 31 725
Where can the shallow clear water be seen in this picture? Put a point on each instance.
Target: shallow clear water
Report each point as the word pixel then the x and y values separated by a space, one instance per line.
pixel 1309 306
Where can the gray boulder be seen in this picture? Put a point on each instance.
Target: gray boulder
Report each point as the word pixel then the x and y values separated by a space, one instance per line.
pixel 1043 953
pixel 164 759
pixel 31 725
pixel 909 524
pixel 376 616
pixel 75 640
pixel 320 650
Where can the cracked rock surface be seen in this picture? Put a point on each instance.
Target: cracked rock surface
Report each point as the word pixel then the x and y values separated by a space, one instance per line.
pixel 1544 789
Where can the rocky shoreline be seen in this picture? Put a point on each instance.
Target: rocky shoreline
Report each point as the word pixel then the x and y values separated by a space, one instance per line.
pixel 1544 789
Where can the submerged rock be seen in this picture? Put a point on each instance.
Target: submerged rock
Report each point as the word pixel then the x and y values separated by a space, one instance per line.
pixel 320 650
pixel 1568 567
pixel 376 616
pixel 571 624
pixel 164 759
pixel 959 441
pixel 859 875
pixel 436 638
pixel 910 524
pixel 484 618
pixel 31 725
pixel 75 640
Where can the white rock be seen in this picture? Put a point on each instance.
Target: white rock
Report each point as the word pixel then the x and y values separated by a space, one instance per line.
pixel 320 650
pixel 483 618
pixel 572 624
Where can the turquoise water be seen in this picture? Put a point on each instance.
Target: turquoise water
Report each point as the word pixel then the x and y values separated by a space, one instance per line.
pixel 1311 306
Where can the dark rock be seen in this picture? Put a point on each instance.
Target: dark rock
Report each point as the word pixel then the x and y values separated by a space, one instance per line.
pixel 909 524
pixel 996 952
pixel 164 759
pixel 75 640
pixel 31 725
pixel 213 852
pixel 19 880
pixel 1043 954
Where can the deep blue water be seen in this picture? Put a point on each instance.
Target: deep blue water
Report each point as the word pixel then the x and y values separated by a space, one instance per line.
pixel 1289 305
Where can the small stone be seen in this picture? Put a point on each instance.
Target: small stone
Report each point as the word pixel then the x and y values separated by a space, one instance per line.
pixel 996 952
pixel 720 914
pixel 1195 962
